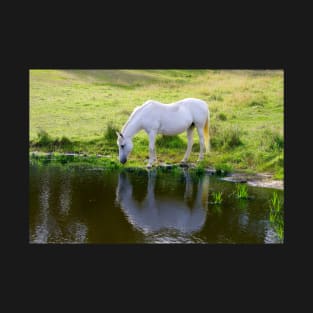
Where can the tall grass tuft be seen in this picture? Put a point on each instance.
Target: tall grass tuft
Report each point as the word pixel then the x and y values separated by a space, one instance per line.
pixel 272 140
pixel 222 116
pixel 232 137
pixel 226 138
pixel 223 168
pixel 276 216
pixel 241 191
pixel 276 206
pixel 43 138
pixel 110 132
pixel 277 142
pixel 217 197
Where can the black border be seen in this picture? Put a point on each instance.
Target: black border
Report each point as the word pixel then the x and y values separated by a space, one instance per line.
pixel 71 265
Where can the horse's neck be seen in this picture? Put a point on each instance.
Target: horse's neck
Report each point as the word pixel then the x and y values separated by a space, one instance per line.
pixel 132 126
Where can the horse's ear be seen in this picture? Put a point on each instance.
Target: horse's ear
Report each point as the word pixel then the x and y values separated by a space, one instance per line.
pixel 119 134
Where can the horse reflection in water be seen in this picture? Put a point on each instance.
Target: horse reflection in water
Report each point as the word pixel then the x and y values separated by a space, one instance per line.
pixel 165 218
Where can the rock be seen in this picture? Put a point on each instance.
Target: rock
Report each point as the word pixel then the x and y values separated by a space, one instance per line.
pixel 255 180
pixel 210 171
pixel 166 166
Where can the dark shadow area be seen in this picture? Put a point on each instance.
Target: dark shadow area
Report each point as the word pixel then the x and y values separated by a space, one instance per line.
pixel 134 78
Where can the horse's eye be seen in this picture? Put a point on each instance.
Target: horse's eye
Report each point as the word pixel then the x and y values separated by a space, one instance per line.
pixel 122 146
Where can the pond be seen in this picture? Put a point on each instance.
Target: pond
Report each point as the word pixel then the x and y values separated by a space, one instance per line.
pixel 90 205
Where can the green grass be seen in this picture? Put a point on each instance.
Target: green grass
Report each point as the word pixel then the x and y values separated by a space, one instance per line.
pixel 276 215
pixel 110 133
pixel 241 191
pixel 223 168
pixel 217 197
pixel 79 111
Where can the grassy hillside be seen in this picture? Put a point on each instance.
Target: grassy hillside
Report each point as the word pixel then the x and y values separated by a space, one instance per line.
pixel 78 110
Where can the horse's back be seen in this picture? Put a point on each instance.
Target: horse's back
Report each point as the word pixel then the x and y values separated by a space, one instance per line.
pixel 191 103
pixel 194 103
pixel 174 118
pixel 198 108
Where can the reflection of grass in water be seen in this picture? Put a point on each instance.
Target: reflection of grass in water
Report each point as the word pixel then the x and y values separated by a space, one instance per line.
pixel 216 209
pixel 276 215
pixel 57 158
pixel 243 205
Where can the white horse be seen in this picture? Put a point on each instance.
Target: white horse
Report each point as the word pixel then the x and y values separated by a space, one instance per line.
pixel 167 119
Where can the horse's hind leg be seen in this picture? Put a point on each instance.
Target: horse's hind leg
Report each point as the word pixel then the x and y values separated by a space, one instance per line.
pixel 189 145
pixel 201 140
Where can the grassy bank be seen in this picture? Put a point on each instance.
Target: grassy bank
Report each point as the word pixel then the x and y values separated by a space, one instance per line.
pixel 78 111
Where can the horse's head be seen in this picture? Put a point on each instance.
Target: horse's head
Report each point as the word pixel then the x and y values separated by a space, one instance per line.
pixel 125 146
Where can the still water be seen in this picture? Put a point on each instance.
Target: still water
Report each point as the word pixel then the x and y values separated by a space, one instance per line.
pixel 92 205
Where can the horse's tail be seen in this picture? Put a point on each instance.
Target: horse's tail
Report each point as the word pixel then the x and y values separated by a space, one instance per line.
pixel 206 135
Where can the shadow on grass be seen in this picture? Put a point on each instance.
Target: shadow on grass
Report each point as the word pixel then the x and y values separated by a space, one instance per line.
pixel 170 142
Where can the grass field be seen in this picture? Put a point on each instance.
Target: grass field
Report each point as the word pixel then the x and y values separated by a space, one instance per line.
pixel 78 111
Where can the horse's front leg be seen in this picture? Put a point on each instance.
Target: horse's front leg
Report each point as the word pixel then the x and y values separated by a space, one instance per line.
pixel 152 154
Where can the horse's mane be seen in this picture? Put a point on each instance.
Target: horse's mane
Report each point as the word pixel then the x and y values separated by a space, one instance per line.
pixel 135 111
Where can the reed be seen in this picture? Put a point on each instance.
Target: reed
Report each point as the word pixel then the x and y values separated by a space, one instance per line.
pixel 217 197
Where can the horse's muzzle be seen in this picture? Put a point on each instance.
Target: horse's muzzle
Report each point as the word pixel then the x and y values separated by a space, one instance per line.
pixel 123 161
